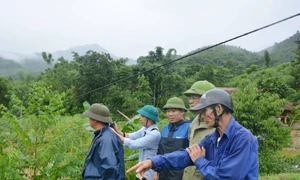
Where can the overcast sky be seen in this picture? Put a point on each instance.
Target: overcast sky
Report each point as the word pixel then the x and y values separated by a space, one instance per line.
pixel 131 28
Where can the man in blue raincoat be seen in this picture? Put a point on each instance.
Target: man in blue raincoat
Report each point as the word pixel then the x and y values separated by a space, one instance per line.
pixel 105 158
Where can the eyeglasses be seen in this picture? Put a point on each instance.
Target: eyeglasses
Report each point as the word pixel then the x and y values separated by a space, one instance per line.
pixel 194 97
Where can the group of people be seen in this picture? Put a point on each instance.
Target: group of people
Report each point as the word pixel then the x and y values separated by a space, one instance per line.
pixel 210 146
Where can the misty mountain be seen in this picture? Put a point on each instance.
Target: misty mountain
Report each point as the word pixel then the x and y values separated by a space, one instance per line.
pixel 9 67
pixel 223 55
pixel 81 50
pixel 17 57
pixel 35 63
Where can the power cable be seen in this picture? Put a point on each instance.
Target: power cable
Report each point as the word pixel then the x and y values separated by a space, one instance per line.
pixel 189 54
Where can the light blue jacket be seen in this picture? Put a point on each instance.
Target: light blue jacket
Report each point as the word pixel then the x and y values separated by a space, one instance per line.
pixel 234 157
pixel 146 140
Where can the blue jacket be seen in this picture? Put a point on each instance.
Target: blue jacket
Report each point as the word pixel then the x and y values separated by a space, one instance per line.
pixel 105 158
pixel 173 137
pixel 234 157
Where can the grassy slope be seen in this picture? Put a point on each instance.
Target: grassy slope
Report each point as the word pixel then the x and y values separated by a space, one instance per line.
pixel 283 176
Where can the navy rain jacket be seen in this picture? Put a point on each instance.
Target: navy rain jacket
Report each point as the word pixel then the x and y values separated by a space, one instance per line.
pixel 105 158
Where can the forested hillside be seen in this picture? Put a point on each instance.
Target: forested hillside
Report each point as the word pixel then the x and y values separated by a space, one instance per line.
pixel 9 68
pixel 221 66
pixel 226 55
pixel 234 58
pixel 285 50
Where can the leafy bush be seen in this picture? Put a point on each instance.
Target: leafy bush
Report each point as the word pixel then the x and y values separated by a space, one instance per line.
pixel 257 111
pixel 275 164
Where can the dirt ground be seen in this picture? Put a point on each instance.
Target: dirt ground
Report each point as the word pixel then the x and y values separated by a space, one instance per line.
pixel 295 135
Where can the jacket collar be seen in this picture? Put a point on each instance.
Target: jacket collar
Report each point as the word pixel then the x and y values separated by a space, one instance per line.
pixel 229 131
pixel 200 122
pixel 100 131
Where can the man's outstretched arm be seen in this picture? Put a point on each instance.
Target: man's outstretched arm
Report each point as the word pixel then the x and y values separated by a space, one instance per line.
pixel 176 160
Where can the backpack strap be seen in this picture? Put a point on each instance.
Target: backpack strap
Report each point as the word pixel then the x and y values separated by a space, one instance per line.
pixel 153 129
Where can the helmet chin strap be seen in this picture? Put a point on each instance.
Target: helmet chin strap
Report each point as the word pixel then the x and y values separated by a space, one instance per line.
pixel 217 117
pixel 146 123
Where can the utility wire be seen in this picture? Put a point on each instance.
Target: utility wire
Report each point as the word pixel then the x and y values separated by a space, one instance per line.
pixel 189 54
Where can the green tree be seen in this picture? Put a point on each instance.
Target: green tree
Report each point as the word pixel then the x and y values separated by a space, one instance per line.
pixel 251 69
pixel 5 86
pixel 63 78
pixel 169 54
pixel 29 131
pixel 95 71
pixel 159 53
pixel 207 73
pixel 157 76
pixel 257 111
pixel 142 92
pixel 222 75
pixel 295 72
pixel 192 69
pixel 47 58
pixel 128 99
pixel 22 86
pixel 298 52
pixel 267 59
pixel 276 83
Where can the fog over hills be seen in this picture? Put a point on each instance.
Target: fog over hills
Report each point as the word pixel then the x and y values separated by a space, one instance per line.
pixel 17 57
pixel 279 53
pixel 67 54
pixel 81 50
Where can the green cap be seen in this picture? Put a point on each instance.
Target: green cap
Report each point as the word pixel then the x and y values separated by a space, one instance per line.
pixel 99 112
pixel 199 88
pixel 175 103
